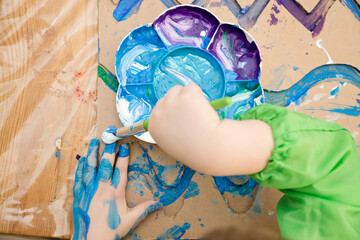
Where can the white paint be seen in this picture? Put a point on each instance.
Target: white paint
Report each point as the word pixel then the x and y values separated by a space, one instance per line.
pixel 355 134
pixel 58 143
pixel 332 117
pixel 57 209
pixel 320 45
pixel 108 137
pixel 203 33
pixel 318 96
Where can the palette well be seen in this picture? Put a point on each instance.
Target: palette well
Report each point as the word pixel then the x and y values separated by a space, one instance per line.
pixel 186 44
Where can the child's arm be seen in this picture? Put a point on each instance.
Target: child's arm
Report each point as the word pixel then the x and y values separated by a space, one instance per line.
pixel 313 162
pixel 186 127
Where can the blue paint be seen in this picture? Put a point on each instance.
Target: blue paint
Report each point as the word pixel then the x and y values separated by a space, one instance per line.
pixel 199 219
pixel 325 73
pixel 144 165
pixel 116 178
pixel 93 146
pixel 105 170
pixel 335 91
pixel 343 109
pixel 113 218
pixel 134 236
pixel 175 232
pixel 163 171
pixel 110 148
pixel 84 177
pixel 135 60
pixel 187 65
pixel 192 190
pixel 295 68
pixel 151 147
pixel 124 150
pixel 117 237
pixel 201 224
pixel 224 184
pixel 354 7
pixel 57 154
pixel 125 9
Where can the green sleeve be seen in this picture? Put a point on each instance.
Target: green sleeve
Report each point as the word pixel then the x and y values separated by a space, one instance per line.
pixel 316 165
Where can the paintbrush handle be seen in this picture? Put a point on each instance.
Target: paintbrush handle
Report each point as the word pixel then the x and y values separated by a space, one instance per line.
pixel 110 136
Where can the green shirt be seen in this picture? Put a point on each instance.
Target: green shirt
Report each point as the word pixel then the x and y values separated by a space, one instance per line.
pixel 316 165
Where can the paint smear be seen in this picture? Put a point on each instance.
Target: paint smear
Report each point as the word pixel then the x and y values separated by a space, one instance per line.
pixel 113 218
pixel 326 73
pixel 187 25
pixel 319 44
pixel 126 8
pixel 175 232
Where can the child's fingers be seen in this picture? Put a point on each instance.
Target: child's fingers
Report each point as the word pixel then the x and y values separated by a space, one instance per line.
pixel 106 165
pixel 120 173
pixel 78 186
pixel 141 211
pixel 89 172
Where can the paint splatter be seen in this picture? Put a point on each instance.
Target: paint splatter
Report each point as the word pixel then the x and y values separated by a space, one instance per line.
pixel 274 20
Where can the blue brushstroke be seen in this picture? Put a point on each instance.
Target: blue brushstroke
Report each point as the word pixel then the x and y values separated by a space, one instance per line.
pixel 187 65
pixel 224 184
pixel 354 7
pixel 173 3
pixel 325 73
pixel 343 109
pixel 116 178
pixel 144 165
pixel 248 16
pixel 113 218
pixel 335 91
pixel 124 150
pixel 175 232
pixel 135 61
pixel 126 8
pixel 117 237
pixel 192 190
pixel 57 154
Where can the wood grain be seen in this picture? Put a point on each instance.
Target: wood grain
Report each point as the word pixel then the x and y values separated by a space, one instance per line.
pixel 48 68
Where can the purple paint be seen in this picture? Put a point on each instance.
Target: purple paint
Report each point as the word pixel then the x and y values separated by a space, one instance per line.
pixel 187 25
pixel 273 20
pixel 237 53
pixel 275 9
pixel 314 20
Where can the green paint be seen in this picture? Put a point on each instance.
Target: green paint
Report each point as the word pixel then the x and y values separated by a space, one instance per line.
pixel 108 78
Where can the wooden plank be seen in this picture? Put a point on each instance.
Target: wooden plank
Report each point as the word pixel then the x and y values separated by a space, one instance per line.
pixel 48 67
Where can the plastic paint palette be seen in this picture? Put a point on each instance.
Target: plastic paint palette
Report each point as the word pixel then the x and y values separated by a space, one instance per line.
pixel 186 44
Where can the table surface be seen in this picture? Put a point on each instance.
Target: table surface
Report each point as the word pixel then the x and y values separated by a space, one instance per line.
pixel 49 91
pixel 48 69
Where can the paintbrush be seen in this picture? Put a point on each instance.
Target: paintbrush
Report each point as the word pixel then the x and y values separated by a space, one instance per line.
pixel 112 134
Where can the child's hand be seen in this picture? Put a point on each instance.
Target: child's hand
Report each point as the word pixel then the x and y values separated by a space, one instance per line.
pixel 99 208
pixel 183 123
pixel 186 127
